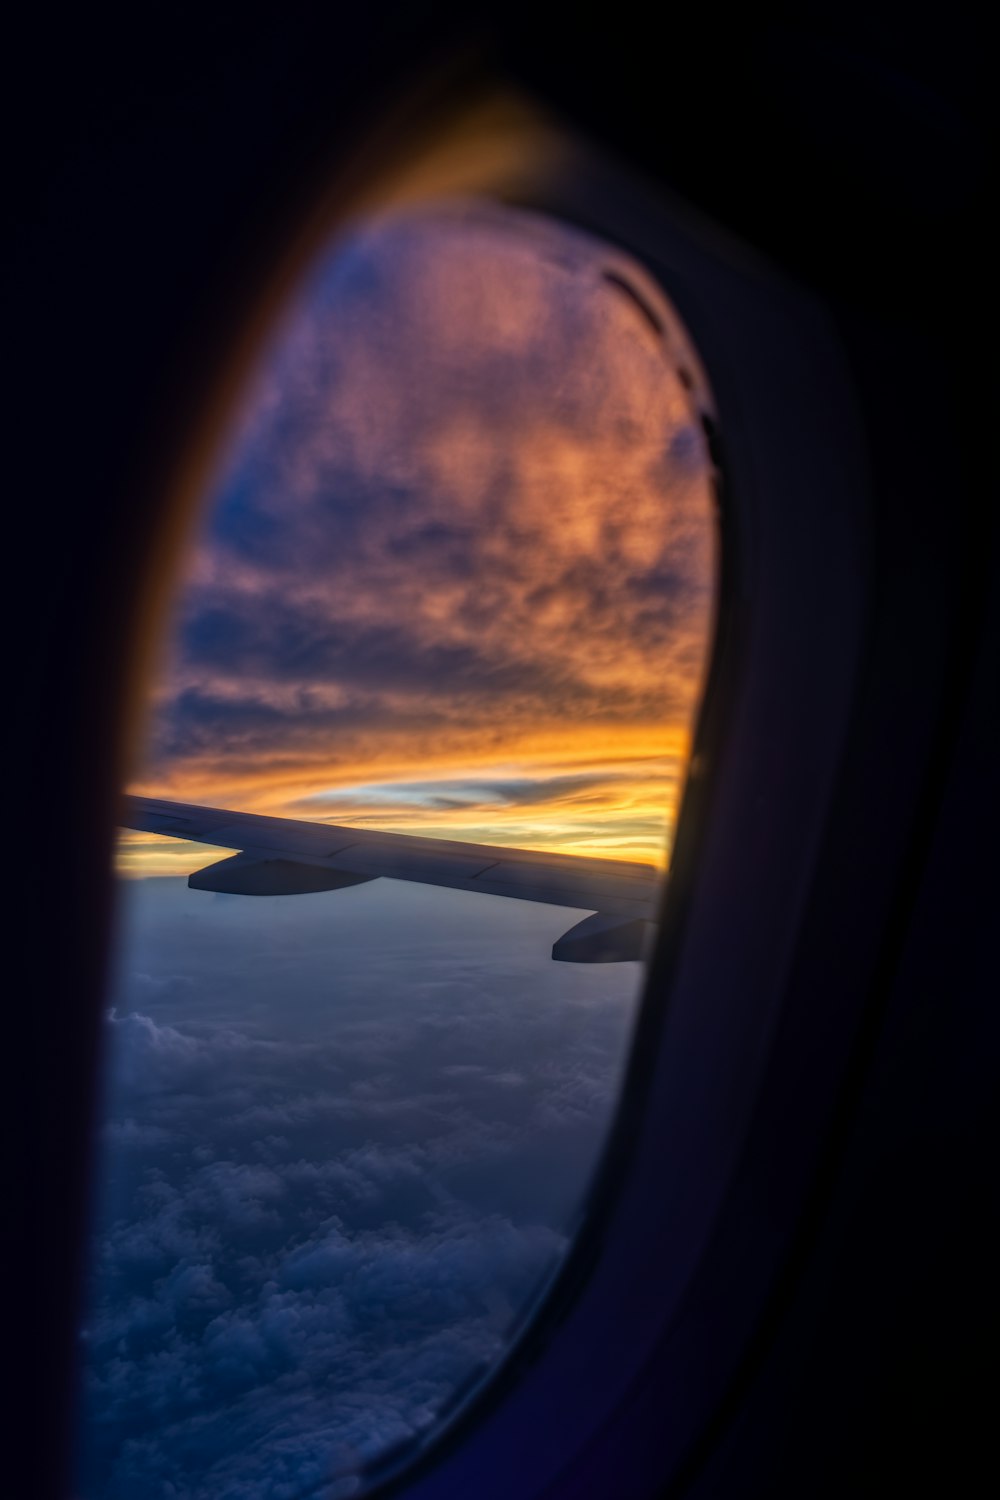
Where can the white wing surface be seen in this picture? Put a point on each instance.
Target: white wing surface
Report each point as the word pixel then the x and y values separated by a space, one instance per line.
pixel 284 857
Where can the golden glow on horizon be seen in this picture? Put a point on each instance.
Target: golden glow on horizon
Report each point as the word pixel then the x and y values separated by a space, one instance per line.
pixel 620 806
pixel 461 573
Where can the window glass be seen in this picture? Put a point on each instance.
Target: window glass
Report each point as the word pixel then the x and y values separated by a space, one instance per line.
pixel 455 579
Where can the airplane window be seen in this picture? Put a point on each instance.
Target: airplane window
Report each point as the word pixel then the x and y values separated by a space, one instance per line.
pixel 454 581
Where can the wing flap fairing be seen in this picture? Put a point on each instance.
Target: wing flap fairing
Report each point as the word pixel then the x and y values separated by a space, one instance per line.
pixel 254 874
pixel 601 939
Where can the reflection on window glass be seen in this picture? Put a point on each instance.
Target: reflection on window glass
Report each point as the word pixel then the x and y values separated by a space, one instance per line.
pixel 454 579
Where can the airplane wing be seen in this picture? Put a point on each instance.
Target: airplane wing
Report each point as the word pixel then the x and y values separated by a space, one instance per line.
pixel 286 857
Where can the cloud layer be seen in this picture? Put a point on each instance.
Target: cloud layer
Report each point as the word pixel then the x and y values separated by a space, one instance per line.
pixel 345 1140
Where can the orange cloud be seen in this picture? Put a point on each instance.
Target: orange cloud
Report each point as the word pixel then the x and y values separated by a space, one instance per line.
pixel 462 541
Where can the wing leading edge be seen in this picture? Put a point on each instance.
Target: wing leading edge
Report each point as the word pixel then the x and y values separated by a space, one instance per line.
pixel 284 857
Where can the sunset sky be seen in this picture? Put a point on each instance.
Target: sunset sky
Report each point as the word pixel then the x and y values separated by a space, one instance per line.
pixel 455 571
